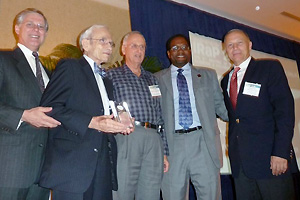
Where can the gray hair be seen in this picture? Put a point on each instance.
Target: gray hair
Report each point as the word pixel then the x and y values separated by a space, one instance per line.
pixel 125 38
pixel 235 30
pixel 21 15
pixel 87 33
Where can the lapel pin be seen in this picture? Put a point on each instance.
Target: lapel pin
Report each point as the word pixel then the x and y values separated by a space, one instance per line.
pixel 199 75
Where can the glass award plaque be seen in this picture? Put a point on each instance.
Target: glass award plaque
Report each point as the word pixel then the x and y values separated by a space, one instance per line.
pixel 121 113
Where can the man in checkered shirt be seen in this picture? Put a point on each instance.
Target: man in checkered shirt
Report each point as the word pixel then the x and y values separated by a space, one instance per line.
pixel 142 154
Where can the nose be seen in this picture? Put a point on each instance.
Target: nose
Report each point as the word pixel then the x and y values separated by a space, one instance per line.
pixel 234 46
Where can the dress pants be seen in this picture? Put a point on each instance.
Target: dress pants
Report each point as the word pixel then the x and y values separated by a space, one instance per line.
pixel 140 165
pixel 191 160
pixel 32 193
pixel 277 188
pixel 99 189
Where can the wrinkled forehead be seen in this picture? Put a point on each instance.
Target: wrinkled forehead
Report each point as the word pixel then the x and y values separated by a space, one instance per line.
pixel 101 33
pixel 236 34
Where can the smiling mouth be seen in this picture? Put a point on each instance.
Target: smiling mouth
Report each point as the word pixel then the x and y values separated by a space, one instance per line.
pixel 35 36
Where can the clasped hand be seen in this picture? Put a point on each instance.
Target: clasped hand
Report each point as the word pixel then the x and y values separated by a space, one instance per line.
pixel 107 124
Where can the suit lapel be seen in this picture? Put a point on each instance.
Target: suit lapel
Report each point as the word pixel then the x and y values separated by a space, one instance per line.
pixel 90 77
pixel 196 80
pixel 224 85
pixel 199 95
pixel 26 73
pixel 249 71
pixel 167 79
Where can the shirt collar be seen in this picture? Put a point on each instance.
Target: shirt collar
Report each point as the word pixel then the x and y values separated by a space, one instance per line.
pixel 27 52
pixel 186 68
pixel 90 61
pixel 243 66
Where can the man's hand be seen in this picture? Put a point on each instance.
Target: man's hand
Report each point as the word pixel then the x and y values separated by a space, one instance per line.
pixel 278 165
pixel 106 124
pixel 166 164
pixel 37 117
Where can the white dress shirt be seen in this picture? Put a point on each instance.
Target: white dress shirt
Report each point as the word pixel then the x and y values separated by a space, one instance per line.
pixel 101 86
pixel 31 60
pixel 240 74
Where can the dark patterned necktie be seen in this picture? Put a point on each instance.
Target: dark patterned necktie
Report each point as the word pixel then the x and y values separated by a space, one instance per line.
pixel 233 87
pixel 99 70
pixel 185 110
pixel 38 72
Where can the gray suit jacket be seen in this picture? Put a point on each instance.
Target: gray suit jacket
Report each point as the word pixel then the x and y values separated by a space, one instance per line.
pixel 209 103
pixel 22 150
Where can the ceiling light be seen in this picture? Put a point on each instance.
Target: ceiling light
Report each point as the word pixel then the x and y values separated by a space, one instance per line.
pixel 257 8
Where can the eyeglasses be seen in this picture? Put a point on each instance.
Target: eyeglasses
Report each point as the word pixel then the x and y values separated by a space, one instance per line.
pixel 32 25
pixel 182 47
pixel 136 46
pixel 104 41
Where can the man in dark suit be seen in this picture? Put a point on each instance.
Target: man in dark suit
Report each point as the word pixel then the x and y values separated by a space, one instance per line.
pixel 80 158
pixel 193 137
pixel 261 122
pixel 23 134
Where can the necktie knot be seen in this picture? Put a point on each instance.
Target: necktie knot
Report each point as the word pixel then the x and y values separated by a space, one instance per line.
pixel 99 70
pixel 236 69
pixel 35 54
pixel 180 71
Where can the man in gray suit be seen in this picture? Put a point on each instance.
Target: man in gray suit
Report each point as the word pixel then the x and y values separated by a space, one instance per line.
pixel 191 99
pixel 23 125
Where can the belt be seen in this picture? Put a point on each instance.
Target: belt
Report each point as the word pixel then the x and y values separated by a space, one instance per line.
pixel 182 131
pixel 145 124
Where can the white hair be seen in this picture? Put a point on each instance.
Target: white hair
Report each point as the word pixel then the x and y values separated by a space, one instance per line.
pixel 87 33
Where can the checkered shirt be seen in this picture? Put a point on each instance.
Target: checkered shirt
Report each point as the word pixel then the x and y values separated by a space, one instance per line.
pixel 135 91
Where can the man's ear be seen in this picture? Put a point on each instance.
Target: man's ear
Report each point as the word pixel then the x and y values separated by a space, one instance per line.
pixel 123 50
pixel 17 29
pixel 85 44
pixel 168 53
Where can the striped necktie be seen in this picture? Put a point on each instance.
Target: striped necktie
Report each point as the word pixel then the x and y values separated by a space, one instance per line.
pixel 185 110
pixel 38 73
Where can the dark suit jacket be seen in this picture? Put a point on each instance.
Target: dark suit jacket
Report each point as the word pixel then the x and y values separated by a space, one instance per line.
pixel 22 150
pixel 262 126
pixel 73 149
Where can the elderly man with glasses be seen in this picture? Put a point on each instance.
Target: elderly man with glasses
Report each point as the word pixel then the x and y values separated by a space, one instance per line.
pixel 141 154
pixel 191 100
pixel 80 159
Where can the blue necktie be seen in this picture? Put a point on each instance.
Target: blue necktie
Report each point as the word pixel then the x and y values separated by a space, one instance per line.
pixel 185 110
pixel 99 70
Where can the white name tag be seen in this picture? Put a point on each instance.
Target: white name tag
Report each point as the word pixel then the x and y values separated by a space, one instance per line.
pixel 154 90
pixel 251 89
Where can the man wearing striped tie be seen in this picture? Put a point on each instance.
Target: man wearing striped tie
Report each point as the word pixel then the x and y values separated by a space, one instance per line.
pixel 191 99
pixel 23 124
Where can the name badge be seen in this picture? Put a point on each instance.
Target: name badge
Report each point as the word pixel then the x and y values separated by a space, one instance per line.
pixel 154 90
pixel 251 89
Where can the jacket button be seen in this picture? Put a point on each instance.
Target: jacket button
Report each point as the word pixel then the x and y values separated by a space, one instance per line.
pixel 96 150
pixel 41 145
pixel 237 121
